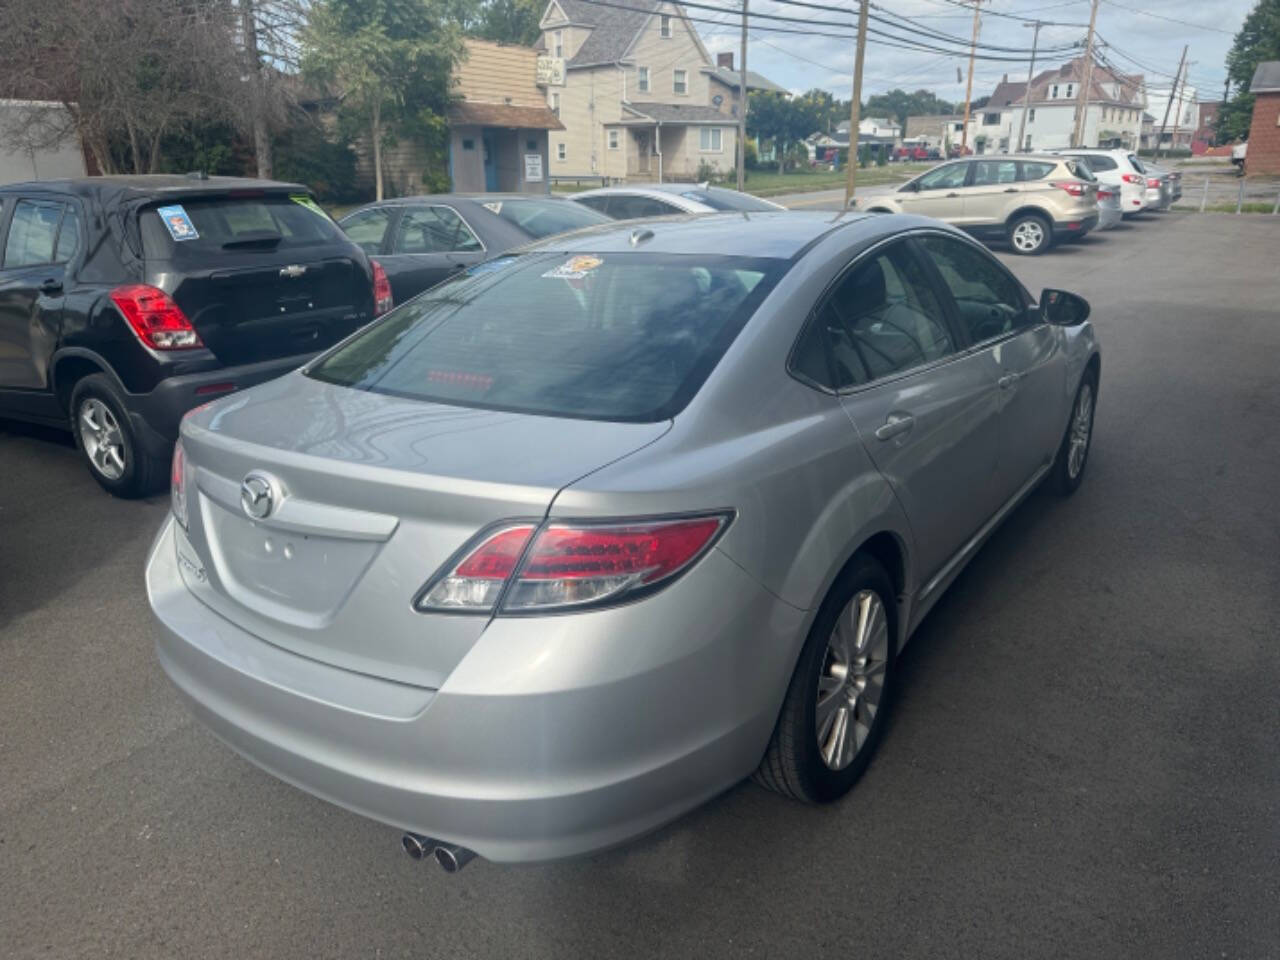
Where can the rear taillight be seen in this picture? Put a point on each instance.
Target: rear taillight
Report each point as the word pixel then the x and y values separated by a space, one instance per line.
pixel 1074 187
pixel 154 318
pixel 567 566
pixel 1105 194
pixel 178 484
pixel 382 299
pixel 1153 183
pixel 1131 178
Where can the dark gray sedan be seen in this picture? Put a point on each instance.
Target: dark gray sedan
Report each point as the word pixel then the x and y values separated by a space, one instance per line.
pixel 422 240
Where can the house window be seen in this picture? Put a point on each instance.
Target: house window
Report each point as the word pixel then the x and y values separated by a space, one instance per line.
pixel 680 81
pixel 561 152
pixel 613 139
pixel 710 139
pixel 991 119
pixel 642 79
pixel 1027 146
pixel 1070 88
pixel 468 144
pixel 557 43
pixel 1053 95
pixel 664 27
pixel 555 104
pixel 1031 115
pixel 531 144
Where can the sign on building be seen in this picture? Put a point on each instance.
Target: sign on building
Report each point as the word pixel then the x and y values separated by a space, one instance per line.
pixel 550 71
pixel 533 168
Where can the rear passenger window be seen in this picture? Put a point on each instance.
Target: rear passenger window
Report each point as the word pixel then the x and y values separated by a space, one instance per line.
pixel 433 230
pixel 883 318
pixel 990 303
pixel 1097 162
pixel 632 208
pixel 368 228
pixel 988 172
pixel 68 236
pixel 600 204
pixel 1032 170
pixel 32 233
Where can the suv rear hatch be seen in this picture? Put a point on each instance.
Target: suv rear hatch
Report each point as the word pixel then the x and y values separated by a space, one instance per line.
pixel 260 274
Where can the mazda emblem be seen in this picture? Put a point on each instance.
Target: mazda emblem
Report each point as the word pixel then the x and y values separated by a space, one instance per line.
pixel 257 496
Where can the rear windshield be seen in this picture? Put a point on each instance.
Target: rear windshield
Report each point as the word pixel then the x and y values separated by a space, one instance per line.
pixel 542 218
pixel 208 225
pixel 728 200
pixel 618 336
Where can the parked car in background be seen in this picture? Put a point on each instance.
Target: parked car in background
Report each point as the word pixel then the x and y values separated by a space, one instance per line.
pixel 1170 181
pixel 1120 170
pixel 1239 156
pixel 126 301
pixel 666 199
pixel 422 240
pixel 1031 200
pixel 1109 211
pixel 910 153
pixel 514 508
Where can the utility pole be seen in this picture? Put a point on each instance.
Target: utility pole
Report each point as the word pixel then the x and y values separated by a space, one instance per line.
pixel 742 106
pixel 1082 96
pixel 1026 99
pixel 1172 91
pixel 968 87
pixel 253 64
pixel 1177 113
pixel 855 108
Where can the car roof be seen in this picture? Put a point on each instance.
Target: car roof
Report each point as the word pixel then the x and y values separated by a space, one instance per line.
pixel 150 185
pixel 781 234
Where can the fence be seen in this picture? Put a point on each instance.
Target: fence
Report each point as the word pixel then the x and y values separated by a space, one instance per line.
pixel 1231 195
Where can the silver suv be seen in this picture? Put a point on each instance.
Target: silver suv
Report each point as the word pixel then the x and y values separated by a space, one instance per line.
pixel 1031 200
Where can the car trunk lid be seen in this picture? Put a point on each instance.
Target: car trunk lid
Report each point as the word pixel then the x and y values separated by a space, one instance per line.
pixel 371 495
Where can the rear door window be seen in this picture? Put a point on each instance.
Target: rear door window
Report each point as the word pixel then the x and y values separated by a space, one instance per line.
pixel 993 172
pixel 433 229
pixel 1097 162
pixel 626 337
pixel 595 203
pixel 33 233
pixel 68 235
pixel 1033 170
pixel 728 200
pixel 542 218
pixel 367 229
pixel 629 207
pixel 266 222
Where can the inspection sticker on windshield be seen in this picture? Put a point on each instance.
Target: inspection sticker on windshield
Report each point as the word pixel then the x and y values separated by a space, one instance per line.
pixel 575 268
pixel 490 266
pixel 178 223
pixel 302 200
pixel 494 205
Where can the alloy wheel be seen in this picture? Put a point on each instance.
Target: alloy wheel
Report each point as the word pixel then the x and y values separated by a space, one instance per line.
pixel 852 679
pixel 1081 428
pixel 101 438
pixel 1028 235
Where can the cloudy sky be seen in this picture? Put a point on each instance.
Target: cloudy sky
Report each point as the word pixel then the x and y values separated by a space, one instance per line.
pixel 800 61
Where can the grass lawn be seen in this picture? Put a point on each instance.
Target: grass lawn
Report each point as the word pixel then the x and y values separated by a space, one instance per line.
pixel 768 183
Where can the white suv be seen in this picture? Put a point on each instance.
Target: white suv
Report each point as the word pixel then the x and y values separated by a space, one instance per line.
pixel 1119 169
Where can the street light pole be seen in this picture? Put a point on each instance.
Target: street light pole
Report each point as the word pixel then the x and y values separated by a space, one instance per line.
pixel 1026 99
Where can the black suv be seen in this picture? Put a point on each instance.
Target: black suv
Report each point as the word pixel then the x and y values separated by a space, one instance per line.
pixel 126 301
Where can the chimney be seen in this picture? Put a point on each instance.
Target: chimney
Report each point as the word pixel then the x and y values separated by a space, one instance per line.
pixel 725 59
pixel 1005 78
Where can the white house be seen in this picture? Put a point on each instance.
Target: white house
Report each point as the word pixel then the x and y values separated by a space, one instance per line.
pixel 55 160
pixel 1113 112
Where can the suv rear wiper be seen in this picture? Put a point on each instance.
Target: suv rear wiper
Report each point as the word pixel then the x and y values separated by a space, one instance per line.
pixel 255 238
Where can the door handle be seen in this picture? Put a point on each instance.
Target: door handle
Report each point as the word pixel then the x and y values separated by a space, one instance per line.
pixel 894 425
pixel 1008 380
pixel 1011 190
pixel 52 285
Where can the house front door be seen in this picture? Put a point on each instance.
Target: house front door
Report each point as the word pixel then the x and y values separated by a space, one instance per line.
pixel 490 162
pixel 642 151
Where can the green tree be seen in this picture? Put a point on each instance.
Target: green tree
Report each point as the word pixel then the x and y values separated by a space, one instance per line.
pixel 1257 41
pixel 390 64
pixel 777 117
pixel 508 21
pixel 898 105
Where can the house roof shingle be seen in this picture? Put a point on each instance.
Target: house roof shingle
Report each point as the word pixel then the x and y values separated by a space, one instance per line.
pixel 755 81
pixel 613 29
pixel 1266 79
pixel 466 113
pixel 677 113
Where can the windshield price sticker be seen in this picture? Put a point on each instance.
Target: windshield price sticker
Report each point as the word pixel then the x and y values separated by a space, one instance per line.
pixel 178 223
pixel 575 268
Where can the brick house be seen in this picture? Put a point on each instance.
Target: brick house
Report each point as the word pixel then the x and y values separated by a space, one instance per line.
pixel 1206 131
pixel 637 92
pixel 1264 131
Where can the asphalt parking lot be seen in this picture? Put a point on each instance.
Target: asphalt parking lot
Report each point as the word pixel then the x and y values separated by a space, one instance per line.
pixel 1083 760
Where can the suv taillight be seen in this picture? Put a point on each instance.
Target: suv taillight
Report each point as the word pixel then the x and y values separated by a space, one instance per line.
pixel 1131 178
pixel 1153 183
pixel 154 318
pixel 565 566
pixel 382 299
pixel 178 484
pixel 1074 187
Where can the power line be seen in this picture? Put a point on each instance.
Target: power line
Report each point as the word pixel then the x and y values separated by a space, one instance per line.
pixel 1161 16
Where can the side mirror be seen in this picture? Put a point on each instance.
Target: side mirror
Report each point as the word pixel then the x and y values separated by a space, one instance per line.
pixel 1064 309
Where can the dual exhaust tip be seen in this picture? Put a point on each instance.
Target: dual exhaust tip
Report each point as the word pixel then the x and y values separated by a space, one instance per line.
pixel 450 856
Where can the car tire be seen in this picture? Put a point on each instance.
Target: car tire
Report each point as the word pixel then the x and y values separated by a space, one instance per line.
pixel 105 435
pixel 1030 234
pixel 1073 452
pixel 804 760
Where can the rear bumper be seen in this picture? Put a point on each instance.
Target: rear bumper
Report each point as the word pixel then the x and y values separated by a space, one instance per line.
pixel 553 737
pixel 156 415
pixel 1075 228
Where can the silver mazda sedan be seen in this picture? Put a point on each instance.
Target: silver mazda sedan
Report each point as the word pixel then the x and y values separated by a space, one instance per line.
pixel 582 537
